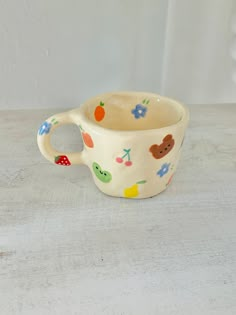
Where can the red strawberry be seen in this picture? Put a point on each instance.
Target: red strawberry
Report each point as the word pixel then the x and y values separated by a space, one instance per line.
pixel 62 160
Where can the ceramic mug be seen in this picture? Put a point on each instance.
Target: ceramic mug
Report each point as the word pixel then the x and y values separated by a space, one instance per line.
pixel 132 141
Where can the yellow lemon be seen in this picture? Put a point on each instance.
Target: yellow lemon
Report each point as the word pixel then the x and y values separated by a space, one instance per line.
pixel 131 192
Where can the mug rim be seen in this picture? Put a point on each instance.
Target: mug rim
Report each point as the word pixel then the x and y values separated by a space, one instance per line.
pixel 81 112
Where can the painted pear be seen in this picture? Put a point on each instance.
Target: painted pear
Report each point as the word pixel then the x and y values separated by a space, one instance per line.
pixel 131 192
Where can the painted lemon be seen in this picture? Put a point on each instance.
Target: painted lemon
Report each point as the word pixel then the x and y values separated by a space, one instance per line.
pixel 132 192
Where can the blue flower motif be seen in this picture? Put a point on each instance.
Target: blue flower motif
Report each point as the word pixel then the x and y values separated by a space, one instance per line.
pixel 45 128
pixel 164 169
pixel 139 111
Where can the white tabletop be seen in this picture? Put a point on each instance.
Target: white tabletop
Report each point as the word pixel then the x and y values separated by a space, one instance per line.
pixel 65 248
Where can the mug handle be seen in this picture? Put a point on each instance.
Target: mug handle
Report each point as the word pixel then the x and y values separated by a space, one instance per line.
pixel 44 143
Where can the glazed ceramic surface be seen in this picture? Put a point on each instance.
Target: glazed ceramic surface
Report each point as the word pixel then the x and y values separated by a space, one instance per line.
pixel 132 141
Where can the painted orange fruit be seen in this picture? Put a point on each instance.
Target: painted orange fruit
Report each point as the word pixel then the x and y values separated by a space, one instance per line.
pixel 99 112
pixel 87 140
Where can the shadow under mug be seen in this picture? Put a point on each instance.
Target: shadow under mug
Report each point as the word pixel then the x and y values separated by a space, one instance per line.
pixel 132 141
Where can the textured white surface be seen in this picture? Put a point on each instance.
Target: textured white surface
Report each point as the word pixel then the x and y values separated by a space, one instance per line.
pixel 65 248
pixel 61 52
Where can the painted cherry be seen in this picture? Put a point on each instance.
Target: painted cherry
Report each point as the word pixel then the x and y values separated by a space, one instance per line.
pixel 127 156
pixel 128 163
pixel 119 160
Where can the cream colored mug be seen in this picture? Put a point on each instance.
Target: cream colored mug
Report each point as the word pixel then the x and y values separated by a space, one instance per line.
pixel 132 141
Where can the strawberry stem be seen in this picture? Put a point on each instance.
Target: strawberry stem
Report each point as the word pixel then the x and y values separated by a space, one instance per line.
pixel 101 104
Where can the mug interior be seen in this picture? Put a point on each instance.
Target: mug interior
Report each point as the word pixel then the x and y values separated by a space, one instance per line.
pixel 133 111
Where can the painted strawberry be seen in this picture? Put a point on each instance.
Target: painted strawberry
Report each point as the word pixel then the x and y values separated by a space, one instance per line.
pixel 62 160
pixel 99 112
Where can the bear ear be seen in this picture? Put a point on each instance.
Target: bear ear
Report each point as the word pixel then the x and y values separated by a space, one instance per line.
pixel 167 138
pixel 153 148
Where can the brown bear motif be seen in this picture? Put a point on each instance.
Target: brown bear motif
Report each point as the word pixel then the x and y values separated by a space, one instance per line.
pixel 159 151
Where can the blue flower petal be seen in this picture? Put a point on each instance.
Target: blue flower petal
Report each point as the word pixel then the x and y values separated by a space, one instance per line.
pixel 164 170
pixel 139 111
pixel 44 128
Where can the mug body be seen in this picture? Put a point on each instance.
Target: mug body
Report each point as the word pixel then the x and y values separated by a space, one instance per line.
pixel 132 141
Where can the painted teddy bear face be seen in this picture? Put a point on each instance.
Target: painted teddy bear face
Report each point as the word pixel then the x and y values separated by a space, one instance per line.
pixel 159 151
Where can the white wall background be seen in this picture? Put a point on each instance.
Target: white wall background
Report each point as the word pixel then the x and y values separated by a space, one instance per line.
pixel 58 53
pixel 198 66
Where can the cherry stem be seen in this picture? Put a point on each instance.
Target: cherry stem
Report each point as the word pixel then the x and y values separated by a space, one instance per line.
pixel 126 154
